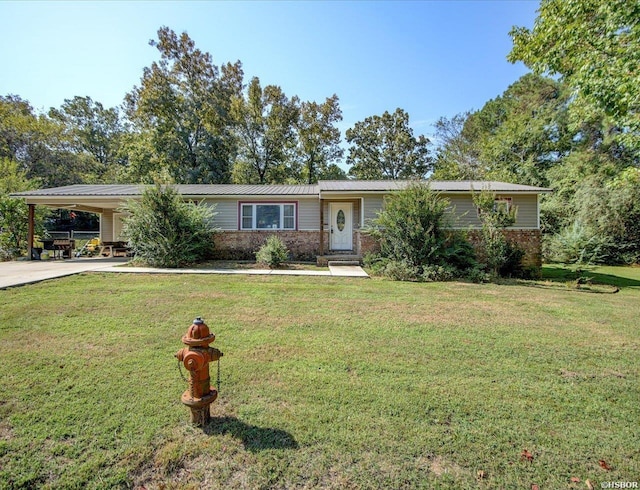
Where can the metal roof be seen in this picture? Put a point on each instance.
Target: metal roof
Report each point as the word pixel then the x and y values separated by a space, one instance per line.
pixel 436 185
pixel 199 190
pixel 327 186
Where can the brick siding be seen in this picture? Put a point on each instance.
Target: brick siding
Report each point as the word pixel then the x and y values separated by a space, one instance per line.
pixel 243 245
pixel 530 241
pixel 305 245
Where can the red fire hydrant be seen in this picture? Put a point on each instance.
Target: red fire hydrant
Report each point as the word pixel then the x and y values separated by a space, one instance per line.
pixel 196 358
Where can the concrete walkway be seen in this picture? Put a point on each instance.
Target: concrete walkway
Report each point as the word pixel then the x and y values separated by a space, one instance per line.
pixel 18 273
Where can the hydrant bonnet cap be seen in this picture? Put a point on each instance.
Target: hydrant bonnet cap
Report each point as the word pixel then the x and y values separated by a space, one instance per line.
pixel 198 334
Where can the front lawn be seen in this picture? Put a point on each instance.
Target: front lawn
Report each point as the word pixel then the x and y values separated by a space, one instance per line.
pixel 326 382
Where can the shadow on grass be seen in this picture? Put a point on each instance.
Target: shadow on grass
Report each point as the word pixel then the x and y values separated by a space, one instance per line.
pixel 560 274
pixel 253 438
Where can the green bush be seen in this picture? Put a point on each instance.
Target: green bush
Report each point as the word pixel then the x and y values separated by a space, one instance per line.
pixel 575 244
pixel 399 270
pixel 414 233
pixel 165 231
pixel 499 254
pixel 14 213
pixel 512 264
pixel 273 253
pixel 438 273
pixel 478 275
pixel 458 252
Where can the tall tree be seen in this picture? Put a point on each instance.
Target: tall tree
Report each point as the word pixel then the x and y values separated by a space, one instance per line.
pixel 181 114
pixel 383 147
pixel 39 144
pixel 319 139
pixel 515 137
pixel 265 123
pixel 96 132
pixel 594 46
pixel 457 156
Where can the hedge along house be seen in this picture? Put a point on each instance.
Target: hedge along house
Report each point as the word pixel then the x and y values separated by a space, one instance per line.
pixel 317 222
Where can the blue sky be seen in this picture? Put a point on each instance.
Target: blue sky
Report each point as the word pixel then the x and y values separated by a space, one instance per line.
pixel 431 58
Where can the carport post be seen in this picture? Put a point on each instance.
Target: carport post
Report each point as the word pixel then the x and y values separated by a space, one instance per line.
pixel 31 231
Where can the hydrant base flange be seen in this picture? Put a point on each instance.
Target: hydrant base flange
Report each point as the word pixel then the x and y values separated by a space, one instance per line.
pixel 191 402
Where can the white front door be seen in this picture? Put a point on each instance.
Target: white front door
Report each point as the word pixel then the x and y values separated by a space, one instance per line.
pixel 340 228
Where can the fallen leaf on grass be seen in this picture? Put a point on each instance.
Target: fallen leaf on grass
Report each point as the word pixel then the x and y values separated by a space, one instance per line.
pixel 480 475
pixel 534 487
pixel 575 479
pixel 589 485
pixel 526 455
pixel 604 465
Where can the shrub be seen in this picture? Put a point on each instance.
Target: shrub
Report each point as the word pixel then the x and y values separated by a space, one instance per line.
pixel 478 275
pixel 375 263
pixel 273 253
pixel 458 252
pixel 512 263
pixel 410 227
pixel 165 231
pixel 575 244
pixel 413 234
pixel 497 251
pixel 399 270
pixel 438 273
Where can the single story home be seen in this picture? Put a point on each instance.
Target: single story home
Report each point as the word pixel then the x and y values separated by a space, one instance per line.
pixel 317 222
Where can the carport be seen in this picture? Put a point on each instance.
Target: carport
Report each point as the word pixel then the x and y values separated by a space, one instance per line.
pixel 101 200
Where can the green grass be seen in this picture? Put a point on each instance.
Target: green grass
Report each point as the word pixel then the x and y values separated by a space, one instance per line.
pixel 326 382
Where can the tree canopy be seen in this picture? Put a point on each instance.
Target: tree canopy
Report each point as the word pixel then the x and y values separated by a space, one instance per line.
pixel 265 124
pixel 515 137
pixel 319 140
pixel 594 46
pixel 180 114
pixel 384 147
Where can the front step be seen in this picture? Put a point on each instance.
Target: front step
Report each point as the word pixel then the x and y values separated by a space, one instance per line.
pixel 338 263
pixel 323 260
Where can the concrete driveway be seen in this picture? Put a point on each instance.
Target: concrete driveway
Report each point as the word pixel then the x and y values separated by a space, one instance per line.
pixel 19 272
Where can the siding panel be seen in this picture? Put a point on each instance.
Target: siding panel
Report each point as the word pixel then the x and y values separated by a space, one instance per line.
pixel 309 214
pixel 309 211
pixel 466 214
pixel 227 213
pixel 372 206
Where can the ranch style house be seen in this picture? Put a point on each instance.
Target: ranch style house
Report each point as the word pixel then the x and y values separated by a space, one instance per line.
pixel 317 222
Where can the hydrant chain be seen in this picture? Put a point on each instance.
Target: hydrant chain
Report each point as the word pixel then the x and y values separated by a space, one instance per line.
pixel 180 371
pixel 218 380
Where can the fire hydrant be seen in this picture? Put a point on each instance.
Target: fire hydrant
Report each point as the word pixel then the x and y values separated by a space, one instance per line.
pixel 196 358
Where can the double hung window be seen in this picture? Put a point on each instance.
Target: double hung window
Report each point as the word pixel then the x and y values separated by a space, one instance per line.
pixel 501 205
pixel 268 216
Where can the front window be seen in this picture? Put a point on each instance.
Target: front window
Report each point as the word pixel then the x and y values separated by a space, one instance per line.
pixel 502 205
pixel 272 216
